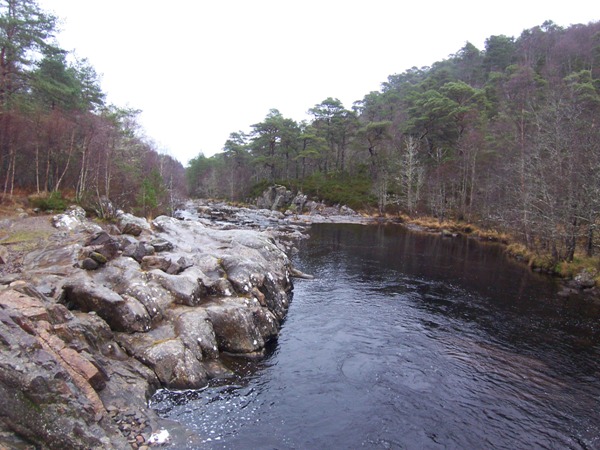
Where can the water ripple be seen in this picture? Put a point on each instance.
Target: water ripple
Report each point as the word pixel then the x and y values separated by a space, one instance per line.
pixel 411 341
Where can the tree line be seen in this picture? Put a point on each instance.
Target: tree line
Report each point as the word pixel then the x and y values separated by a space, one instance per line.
pixel 507 136
pixel 58 136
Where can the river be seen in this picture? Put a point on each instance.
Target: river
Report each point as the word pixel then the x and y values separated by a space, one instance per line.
pixel 411 340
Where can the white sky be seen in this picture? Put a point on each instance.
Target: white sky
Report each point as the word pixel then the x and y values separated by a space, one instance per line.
pixel 200 70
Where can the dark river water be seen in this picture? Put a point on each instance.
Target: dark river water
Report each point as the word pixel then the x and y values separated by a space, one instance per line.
pixel 410 340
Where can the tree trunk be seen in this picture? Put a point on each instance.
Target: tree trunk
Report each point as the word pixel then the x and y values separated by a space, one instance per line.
pixel 62 175
pixel 590 240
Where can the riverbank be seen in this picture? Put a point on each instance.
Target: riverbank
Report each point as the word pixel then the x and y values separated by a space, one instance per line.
pixel 95 317
pixel 582 275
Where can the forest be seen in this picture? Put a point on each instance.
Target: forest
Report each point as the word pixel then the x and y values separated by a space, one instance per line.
pixel 507 137
pixel 59 139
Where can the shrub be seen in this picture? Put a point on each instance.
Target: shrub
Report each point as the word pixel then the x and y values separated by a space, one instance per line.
pixel 48 202
pixel 579 264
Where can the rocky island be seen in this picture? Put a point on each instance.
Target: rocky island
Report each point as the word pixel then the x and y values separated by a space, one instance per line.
pixel 95 317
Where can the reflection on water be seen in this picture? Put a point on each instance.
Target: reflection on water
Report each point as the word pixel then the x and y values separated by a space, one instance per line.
pixel 409 340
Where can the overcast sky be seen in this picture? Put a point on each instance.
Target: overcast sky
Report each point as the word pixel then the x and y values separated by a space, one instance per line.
pixel 200 70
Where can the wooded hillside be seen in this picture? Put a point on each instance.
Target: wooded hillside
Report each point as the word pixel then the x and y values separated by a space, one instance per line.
pixel 58 137
pixel 507 136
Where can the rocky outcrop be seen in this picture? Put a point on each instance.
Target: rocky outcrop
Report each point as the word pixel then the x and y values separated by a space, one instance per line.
pixel 300 208
pixel 84 344
pixel 275 198
pixel 49 390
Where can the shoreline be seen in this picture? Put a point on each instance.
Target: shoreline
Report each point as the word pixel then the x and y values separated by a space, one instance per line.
pixel 103 315
pixel 119 310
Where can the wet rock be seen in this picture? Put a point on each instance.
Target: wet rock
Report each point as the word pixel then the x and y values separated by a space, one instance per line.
pixel 175 365
pixel 298 274
pixel 251 264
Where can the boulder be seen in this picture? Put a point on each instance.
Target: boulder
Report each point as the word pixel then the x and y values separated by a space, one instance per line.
pixel 130 224
pixel 73 219
pixel 585 279
pixel 155 299
pixel 242 326
pixel 138 251
pixel 89 264
pixel 161 245
pixel 104 244
pixel 122 313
